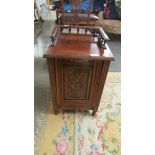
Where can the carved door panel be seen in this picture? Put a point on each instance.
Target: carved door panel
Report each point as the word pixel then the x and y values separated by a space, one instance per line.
pixel 76 82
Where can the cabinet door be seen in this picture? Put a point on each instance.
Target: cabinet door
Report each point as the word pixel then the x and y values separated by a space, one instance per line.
pixel 76 78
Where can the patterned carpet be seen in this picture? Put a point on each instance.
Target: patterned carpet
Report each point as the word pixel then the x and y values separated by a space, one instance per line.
pixel 81 134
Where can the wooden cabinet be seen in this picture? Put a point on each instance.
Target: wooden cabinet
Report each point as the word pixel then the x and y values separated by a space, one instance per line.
pixel 77 73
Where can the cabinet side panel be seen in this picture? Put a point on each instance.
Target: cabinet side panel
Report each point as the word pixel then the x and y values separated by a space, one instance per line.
pixel 96 82
pixel 100 84
pixel 58 80
pixel 52 77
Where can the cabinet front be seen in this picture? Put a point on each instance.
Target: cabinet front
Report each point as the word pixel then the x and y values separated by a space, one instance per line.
pixel 75 78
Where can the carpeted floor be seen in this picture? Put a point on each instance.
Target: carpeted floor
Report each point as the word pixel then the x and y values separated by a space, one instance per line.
pixel 81 134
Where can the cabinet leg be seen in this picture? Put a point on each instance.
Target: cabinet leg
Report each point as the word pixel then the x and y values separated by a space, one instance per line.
pixel 55 112
pixel 94 112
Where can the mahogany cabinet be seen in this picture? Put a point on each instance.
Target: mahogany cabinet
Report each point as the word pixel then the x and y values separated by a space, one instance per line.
pixel 78 66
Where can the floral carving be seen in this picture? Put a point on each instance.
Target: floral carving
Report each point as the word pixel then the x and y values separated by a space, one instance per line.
pixel 77 82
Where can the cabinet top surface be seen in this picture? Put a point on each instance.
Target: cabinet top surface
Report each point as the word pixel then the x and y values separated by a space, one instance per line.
pixel 70 46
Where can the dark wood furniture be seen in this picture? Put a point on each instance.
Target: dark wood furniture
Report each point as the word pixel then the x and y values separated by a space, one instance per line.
pixel 78 59
pixel 76 16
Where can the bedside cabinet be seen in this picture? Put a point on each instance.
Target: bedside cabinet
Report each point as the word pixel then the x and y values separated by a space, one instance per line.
pixel 77 71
